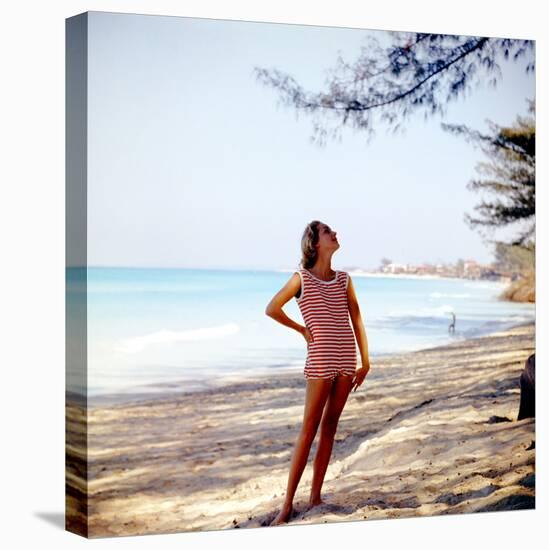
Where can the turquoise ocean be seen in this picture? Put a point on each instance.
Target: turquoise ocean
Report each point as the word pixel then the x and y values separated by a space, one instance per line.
pixel 158 331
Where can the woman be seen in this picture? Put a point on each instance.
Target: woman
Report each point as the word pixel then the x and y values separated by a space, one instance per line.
pixel 326 299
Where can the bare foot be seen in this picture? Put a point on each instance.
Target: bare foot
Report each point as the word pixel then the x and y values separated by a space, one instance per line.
pixel 283 516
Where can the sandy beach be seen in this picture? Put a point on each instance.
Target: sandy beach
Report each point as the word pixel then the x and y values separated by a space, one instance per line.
pixel 428 433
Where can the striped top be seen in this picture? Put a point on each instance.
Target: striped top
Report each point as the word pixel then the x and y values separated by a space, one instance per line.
pixel 325 310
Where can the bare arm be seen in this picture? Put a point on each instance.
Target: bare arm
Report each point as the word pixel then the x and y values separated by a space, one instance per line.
pixel 285 294
pixel 358 325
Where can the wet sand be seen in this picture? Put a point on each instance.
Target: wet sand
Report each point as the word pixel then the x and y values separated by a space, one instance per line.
pixel 428 433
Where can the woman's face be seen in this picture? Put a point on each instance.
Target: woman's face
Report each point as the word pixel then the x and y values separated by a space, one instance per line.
pixel 327 238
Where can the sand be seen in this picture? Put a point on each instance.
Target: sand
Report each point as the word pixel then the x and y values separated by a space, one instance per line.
pixel 428 433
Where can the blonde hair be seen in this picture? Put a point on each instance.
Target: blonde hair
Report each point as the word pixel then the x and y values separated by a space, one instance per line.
pixel 309 253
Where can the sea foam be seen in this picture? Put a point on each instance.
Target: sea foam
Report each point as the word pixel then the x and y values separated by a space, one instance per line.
pixel 138 343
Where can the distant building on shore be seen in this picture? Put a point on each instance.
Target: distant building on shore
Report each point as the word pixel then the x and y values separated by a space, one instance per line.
pixel 466 269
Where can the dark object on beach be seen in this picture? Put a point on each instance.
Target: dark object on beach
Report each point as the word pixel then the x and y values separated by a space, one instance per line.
pixel 452 325
pixel 532 446
pixel 496 419
pixel 527 407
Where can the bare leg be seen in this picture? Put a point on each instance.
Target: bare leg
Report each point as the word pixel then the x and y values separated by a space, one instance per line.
pixel 328 426
pixel 315 399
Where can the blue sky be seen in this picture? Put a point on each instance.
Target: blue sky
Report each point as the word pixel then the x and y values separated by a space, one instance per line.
pixel 191 163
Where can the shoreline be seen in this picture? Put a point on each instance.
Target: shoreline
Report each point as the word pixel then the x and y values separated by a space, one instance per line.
pixel 223 381
pixel 410 443
pixel 375 274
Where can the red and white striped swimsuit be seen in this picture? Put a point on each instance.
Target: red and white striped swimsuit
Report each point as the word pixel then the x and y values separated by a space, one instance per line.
pixel 325 310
